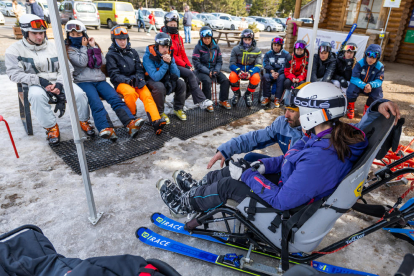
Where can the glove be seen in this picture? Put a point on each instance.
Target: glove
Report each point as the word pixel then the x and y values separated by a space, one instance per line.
pixel 44 82
pixel 59 86
pixel 61 104
pixel 343 83
pixel 52 97
pixel 188 67
pixel 140 83
pixel 238 168
pixel 258 166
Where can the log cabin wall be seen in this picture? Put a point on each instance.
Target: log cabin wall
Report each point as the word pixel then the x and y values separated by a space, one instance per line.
pixel 403 52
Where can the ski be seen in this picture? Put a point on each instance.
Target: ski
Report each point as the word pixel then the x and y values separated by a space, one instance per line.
pixel 171 225
pixel 354 26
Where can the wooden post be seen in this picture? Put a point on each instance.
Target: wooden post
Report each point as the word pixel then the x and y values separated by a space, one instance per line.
pixel 297 9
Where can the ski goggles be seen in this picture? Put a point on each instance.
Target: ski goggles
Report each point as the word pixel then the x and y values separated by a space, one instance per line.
pixel 325 49
pixel 163 41
pixel 350 48
pixel 38 24
pixel 206 33
pixel 247 35
pixel 300 45
pixel 288 99
pixel 73 27
pixel 372 54
pixel 120 30
pixel 278 40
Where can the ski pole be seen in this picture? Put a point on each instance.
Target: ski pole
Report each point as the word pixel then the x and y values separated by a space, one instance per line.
pixel 11 137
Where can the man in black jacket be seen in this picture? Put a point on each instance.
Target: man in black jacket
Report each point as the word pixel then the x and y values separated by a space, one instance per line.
pixel 207 61
pixel 323 63
pixel 274 63
pixel 127 75
pixel 345 62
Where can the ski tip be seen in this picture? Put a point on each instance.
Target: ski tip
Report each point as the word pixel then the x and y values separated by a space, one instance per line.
pixel 140 231
pixel 154 215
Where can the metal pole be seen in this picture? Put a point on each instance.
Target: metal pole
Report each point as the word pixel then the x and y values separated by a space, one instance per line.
pixel 385 30
pixel 70 98
pixel 313 39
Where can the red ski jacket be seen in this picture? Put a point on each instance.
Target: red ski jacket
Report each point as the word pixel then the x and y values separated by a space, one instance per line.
pixel 180 56
pixel 297 67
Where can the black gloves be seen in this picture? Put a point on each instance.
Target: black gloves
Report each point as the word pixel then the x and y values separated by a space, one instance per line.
pixel 61 104
pixel 59 86
pixel 188 67
pixel 136 83
pixel 343 83
pixel 44 82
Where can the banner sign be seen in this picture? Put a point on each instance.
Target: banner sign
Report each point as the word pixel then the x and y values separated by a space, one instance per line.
pixel 392 3
pixel 411 24
pixel 335 39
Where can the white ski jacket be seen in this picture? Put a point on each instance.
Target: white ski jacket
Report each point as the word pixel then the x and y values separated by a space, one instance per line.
pixel 25 63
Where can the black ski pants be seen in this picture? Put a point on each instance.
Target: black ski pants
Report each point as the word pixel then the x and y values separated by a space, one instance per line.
pixel 159 93
pixel 219 188
pixel 221 79
pixel 192 81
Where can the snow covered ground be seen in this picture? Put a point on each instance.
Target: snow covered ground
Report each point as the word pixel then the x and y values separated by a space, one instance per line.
pixel 39 188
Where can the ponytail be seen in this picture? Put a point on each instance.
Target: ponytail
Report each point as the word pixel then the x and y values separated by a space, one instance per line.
pixel 343 135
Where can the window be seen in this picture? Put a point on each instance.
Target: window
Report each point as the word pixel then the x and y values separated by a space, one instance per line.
pixel 159 14
pixel 104 6
pixel 124 7
pixel 224 17
pixel 85 7
pixel 69 6
pixel 365 13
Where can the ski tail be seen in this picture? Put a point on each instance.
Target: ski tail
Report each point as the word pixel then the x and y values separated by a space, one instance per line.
pixel 354 26
pixel 332 269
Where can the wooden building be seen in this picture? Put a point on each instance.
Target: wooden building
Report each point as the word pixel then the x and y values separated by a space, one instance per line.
pixel 371 16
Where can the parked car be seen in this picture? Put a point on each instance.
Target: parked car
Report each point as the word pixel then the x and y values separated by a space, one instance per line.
pixel 6 8
pixel 195 23
pixel 2 21
pixel 159 17
pixel 279 20
pixel 211 21
pixel 306 20
pixel 229 22
pixel 259 25
pixel 116 13
pixel 270 24
pixel 86 12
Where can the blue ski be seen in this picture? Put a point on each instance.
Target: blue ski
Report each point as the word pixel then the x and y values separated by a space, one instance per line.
pixel 331 269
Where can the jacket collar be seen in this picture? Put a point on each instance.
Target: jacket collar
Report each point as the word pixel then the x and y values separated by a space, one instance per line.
pixel 34 47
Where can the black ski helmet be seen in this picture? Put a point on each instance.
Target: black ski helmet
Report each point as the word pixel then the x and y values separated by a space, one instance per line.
pixel 206 31
pixel 163 39
pixel 119 32
pixel 277 40
pixel 247 33
pixel 325 47
pixel 171 16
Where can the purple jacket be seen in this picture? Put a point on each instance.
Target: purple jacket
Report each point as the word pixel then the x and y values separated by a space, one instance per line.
pixel 309 171
pixel 94 58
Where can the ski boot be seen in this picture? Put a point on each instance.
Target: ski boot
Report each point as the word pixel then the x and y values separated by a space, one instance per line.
pixel 180 114
pixel 236 97
pixel 277 103
pixel 350 110
pixel 87 128
pixel 53 135
pixel 265 101
pixel 134 126
pixel 365 109
pixel 159 125
pixel 225 104
pixel 166 118
pixel 184 180
pixel 108 133
pixel 177 201
pixel 248 99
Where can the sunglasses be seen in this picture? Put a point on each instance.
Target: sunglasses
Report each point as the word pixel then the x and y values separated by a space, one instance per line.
pixel 372 54
pixel 74 27
pixel 349 48
pixel 38 24
pixel 278 40
pixel 120 30
pixel 300 45
pixel 206 33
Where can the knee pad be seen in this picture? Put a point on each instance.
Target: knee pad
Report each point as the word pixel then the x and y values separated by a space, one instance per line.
pixel 234 78
pixel 255 79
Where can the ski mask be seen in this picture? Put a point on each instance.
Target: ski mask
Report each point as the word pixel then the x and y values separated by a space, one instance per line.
pixel 172 30
pixel 76 41
pixel 246 46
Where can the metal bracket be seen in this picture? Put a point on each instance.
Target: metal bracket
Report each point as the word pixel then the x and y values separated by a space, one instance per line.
pixel 79 141
pixel 98 217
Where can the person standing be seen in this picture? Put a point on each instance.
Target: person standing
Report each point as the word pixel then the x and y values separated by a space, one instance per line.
pixel 17 9
pixel 32 7
pixel 152 23
pixel 188 17
pixel 140 20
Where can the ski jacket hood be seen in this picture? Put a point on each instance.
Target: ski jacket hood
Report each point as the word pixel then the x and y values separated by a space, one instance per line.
pixel 249 60
pixel 180 56
pixel 374 48
pixel 207 59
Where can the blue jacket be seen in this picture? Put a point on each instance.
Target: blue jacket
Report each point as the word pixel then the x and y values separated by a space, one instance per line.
pixel 140 15
pixel 364 74
pixel 277 62
pixel 279 132
pixel 156 67
pixel 309 171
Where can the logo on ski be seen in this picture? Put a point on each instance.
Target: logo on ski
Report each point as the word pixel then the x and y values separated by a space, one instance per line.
pixel 160 220
pixel 355 238
pixel 154 239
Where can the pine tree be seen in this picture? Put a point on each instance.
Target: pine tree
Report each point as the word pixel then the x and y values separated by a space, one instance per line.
pixel 257 8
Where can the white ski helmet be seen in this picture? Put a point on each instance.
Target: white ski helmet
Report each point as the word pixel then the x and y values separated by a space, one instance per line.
pixel 319 102
pixel 32 23
pixel 75 25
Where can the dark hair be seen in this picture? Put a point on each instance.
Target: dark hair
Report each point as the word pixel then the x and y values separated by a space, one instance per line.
pixel 172 7
pixel 343 135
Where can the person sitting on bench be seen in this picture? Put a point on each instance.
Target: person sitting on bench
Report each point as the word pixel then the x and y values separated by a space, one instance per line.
pixel 245 64
pixel 310 170
pixel 345 62
pixel 127 75
pixel 207 61
pixel 297 67
pixel 324 63
pixel 86 56
pixel 33 61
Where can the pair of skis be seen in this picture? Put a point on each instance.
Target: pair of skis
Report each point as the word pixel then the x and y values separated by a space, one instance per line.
pixel 231 260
